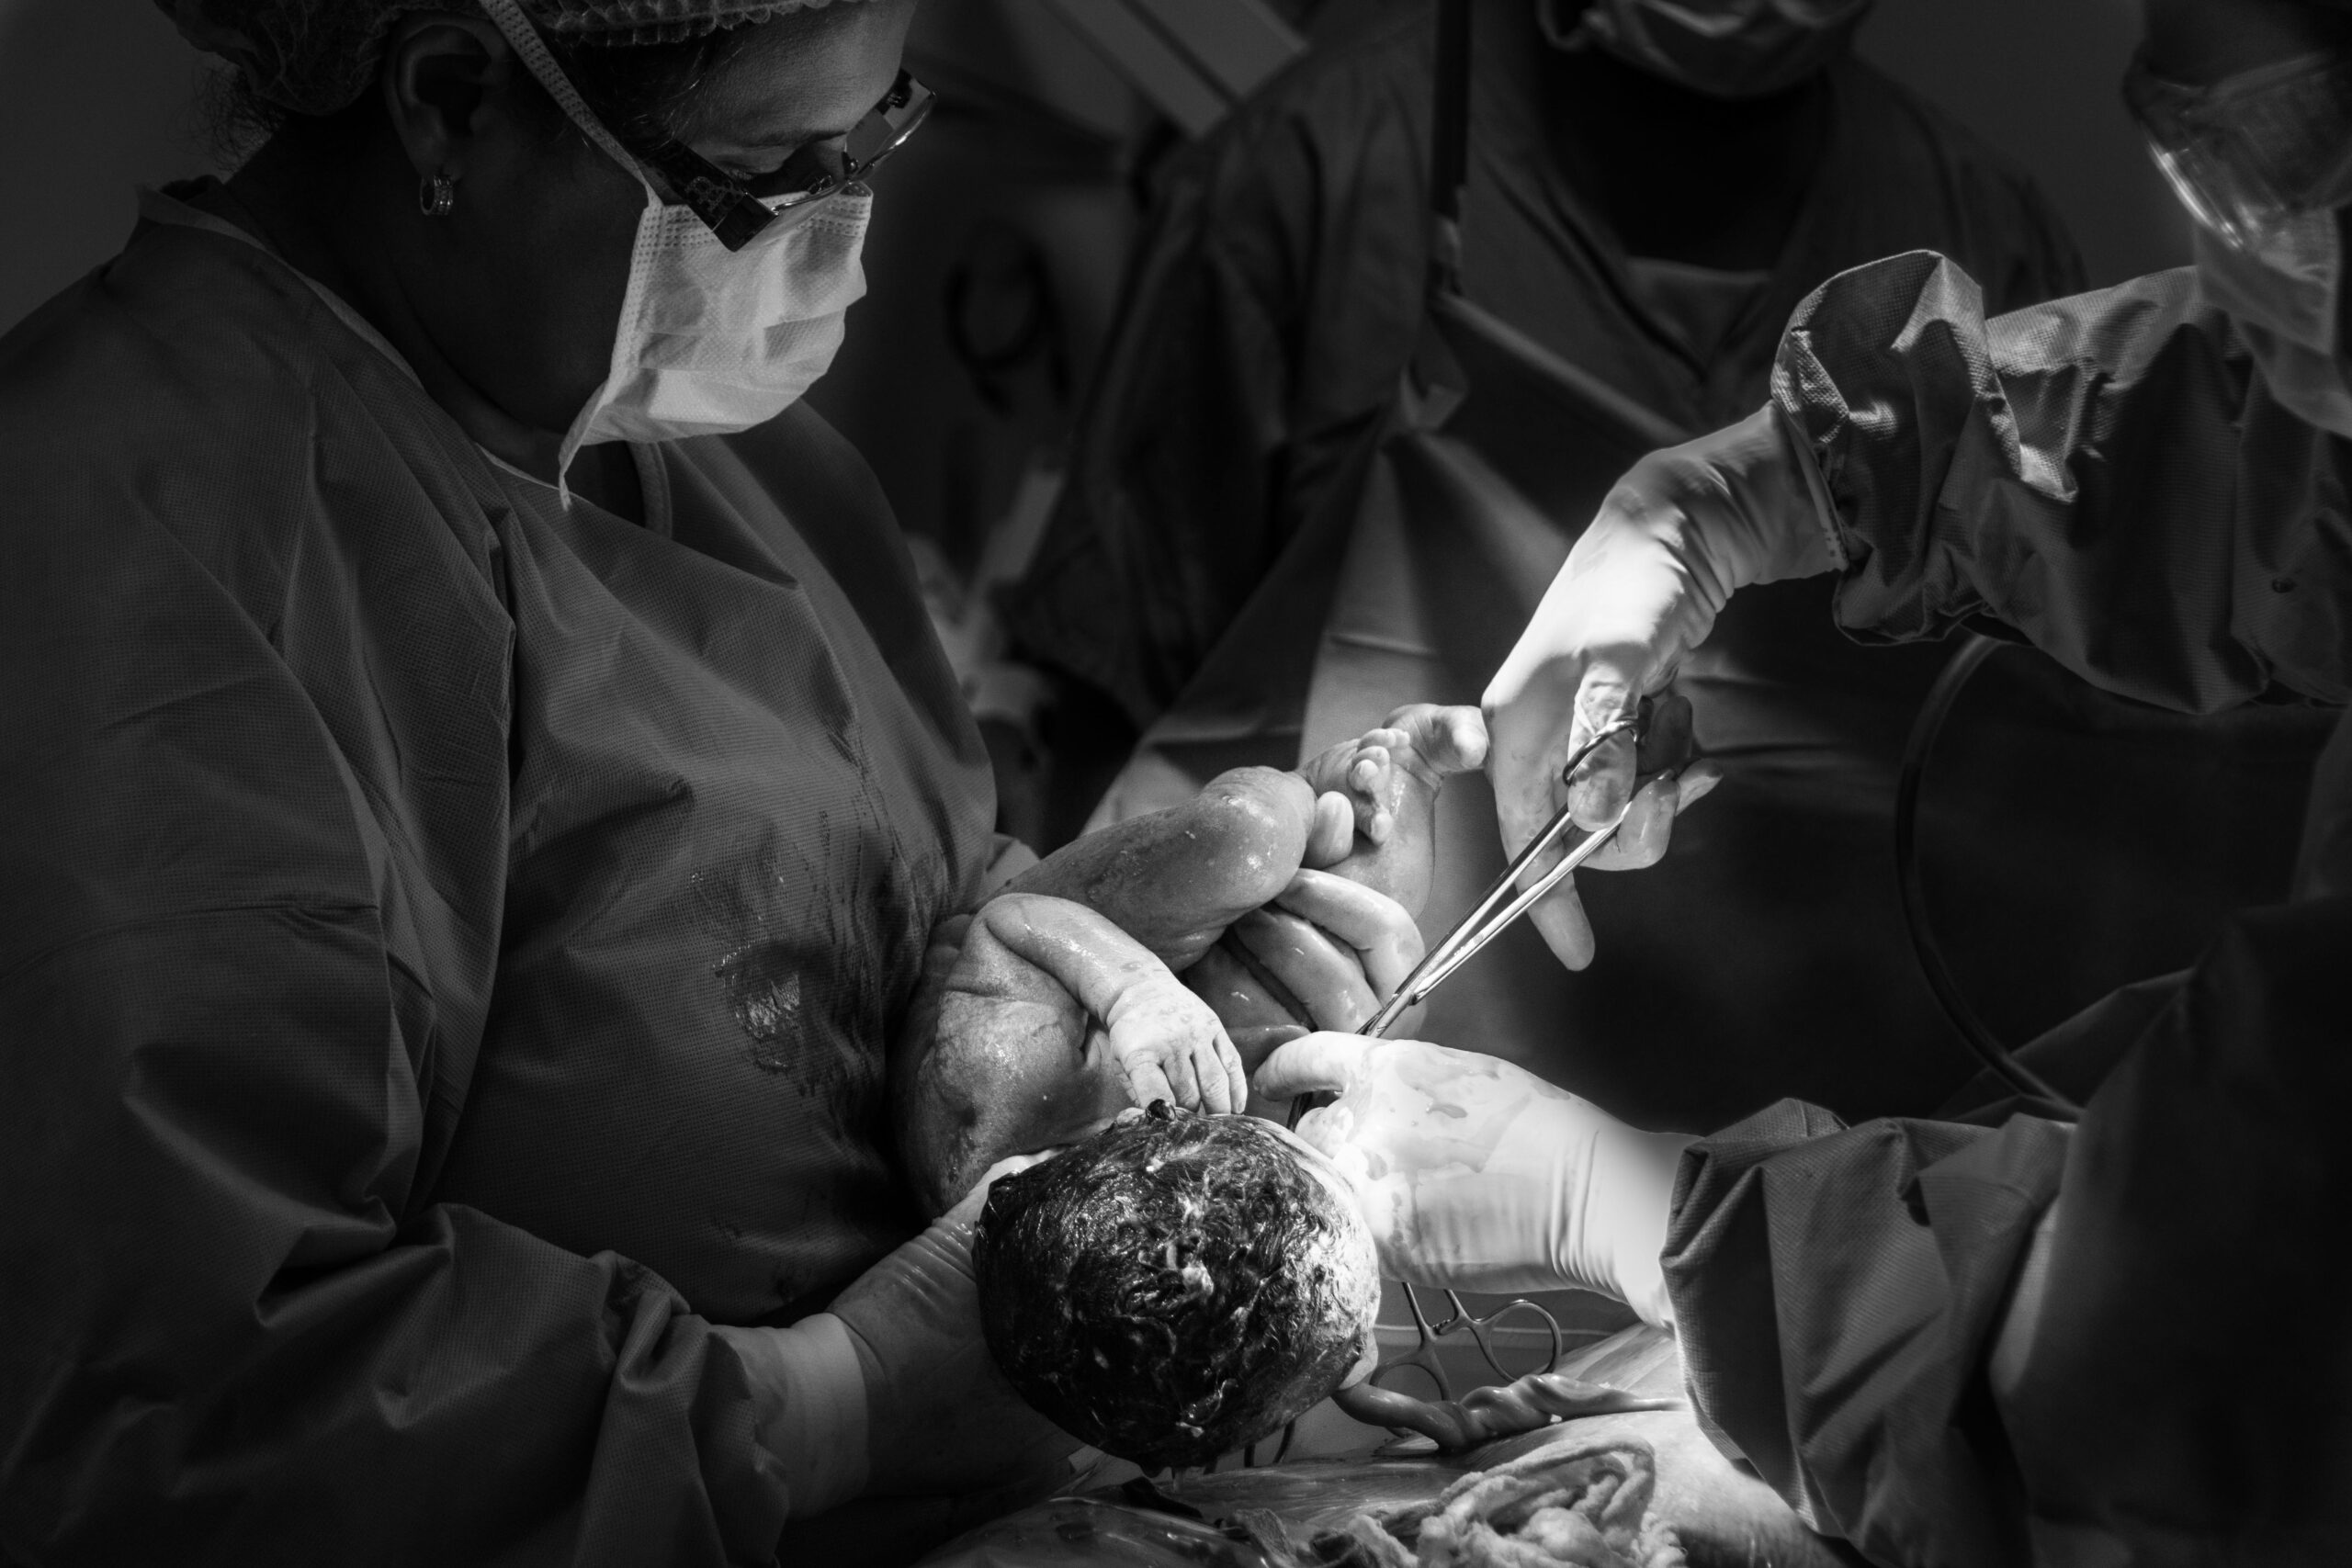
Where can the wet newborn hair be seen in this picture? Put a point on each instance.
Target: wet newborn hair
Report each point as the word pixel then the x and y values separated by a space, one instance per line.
pixel 1174 1288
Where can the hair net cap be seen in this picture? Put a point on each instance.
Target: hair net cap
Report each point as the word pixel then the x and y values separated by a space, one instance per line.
pixel 315 57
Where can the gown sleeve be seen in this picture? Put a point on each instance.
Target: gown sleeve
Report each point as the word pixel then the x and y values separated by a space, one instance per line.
pixel 1837 1291
pixel 2104 474
pixel 234 1328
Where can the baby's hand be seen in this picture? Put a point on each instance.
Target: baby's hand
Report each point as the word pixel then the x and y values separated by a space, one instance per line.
pixel 1165 1040
pixel 1169 1045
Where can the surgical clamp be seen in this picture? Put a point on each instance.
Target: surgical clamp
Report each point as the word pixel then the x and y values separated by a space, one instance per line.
pixel 1492 916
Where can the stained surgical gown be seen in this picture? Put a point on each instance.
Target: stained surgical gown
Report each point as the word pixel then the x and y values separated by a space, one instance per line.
pixel 2107 476
pixel 448 941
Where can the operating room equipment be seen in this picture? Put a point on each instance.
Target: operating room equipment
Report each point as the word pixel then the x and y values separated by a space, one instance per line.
pixel 1932 966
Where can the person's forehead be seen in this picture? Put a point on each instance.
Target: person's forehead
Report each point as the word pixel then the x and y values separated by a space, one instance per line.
pixel 810 74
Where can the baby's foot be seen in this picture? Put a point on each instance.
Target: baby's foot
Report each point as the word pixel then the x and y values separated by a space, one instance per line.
pixel 1390 778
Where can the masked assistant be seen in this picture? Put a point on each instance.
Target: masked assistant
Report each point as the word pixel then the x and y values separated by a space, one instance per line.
pixel 1726 49
pixel 2263 162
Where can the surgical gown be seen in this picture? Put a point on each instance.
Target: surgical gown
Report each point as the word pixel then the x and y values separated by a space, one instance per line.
pixel 2107 476
pixel 1280 288
pixel 448 942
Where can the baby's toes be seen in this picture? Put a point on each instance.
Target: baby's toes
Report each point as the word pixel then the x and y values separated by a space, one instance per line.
pixel 1435 741
pixel 1369 791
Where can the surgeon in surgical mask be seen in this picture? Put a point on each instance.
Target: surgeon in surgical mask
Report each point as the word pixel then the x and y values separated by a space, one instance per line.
pixel 2097 1318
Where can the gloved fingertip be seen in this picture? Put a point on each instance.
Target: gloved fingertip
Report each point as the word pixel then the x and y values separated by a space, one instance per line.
pixel 1560 920
pixel 1331 830
pixel 1467 736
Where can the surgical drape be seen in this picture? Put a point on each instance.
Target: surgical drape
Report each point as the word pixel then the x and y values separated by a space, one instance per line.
pixel 2107 475
pixel 449 944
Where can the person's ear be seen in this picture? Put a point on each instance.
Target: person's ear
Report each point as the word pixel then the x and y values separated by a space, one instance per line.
pixel 440 71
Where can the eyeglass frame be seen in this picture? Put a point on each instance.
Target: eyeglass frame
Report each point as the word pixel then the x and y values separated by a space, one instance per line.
pixel 737 213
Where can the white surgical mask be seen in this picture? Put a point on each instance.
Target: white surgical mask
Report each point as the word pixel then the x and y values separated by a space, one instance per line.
pixel 2283 289
pixel 1726 49
pixel 711 341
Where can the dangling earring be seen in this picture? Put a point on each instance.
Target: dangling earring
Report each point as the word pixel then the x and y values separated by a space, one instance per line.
pixel 436 196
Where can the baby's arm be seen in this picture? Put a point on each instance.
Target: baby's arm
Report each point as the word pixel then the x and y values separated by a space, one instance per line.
pixel 1035 1022
pixel 1164 1041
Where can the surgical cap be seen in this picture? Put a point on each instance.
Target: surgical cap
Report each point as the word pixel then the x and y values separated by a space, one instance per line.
pixel 315 57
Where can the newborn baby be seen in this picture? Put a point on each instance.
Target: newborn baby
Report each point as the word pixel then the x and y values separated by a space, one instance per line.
pixel 1177 1286
pixel 1054 1007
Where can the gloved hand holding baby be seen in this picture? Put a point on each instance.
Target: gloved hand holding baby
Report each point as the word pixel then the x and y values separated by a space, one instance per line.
pixel 1285 901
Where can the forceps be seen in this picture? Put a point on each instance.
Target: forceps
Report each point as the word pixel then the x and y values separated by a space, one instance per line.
pixel 1492 916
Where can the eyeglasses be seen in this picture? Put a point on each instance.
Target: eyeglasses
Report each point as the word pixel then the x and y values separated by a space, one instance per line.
pixel 2249 152
pixel 737 210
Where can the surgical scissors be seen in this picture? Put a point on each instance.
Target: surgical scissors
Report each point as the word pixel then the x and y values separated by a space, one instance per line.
pixel 1492 916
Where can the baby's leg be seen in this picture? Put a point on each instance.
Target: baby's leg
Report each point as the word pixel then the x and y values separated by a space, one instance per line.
pixel 1391 776
pixel 1174 879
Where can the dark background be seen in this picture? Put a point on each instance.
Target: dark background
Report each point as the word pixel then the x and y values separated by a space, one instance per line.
pixel 98 95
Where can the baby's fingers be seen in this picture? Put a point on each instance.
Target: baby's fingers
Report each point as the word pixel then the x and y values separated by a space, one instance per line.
pixel 1236 1077
pixel 1213 1060
pixel 1146 1083
pixel 1178 1067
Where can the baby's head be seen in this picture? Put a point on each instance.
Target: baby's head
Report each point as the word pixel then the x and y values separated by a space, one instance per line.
pixel 1178 1285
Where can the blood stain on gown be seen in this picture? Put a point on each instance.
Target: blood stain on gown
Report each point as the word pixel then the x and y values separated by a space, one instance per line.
pixel 819 941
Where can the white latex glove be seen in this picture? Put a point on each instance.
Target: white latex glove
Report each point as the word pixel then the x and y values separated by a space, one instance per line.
pixel 1681 533
pixel 1477 1175
pixel 892 1391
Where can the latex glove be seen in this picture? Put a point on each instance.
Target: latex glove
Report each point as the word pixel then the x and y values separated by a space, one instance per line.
pixel 1681 533
pixel 1335 947
pixel 892 1391
pixel 1477 1175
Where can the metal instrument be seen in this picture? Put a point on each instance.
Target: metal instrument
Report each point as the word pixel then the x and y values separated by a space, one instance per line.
pixel 1502 903
pixel 1494 911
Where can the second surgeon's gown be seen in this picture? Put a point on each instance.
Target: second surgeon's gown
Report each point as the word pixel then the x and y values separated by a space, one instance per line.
pixel 447 946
